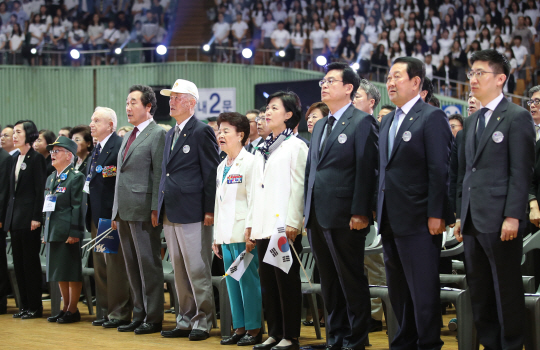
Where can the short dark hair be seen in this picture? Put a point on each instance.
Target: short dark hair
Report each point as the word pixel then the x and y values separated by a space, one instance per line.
pixel 348 74
pixel 11 126
pixel 262 109
pixel 497 62
pixel 427 85
pixel 435 102
pixel 415 67
pixel 390 107
pixel 30 129
pixel 148 96
pixel 239 121
pixel 68 128
pixel 321 106
pixel 292 103
pixel 457 117
pixel 48 135
pixel 518 37
pixel 87 134
pixel 252 111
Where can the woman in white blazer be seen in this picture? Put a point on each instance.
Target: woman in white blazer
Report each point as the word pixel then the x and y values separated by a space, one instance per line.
pixel 232 200
pixel 277 192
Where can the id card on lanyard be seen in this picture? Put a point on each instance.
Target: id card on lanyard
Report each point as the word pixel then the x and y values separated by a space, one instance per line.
pixel 50 203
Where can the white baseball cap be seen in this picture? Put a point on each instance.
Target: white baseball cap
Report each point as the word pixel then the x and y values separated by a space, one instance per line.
pixel 182 86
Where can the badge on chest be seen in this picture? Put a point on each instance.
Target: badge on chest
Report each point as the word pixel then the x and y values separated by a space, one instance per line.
pixel 60 190
pixel 109 171
pixel 234 179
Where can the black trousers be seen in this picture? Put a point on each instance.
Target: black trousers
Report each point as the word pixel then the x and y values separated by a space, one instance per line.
pixel 494 277
pixel 26 245
pixel 339 254
pixel 281 294
pixel 4 277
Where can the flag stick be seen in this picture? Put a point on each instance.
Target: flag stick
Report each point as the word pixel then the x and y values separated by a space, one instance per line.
pixel 109 230
pixel 303 269
pixel 98 236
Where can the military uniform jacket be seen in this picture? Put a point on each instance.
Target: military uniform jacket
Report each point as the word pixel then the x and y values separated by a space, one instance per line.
pixel 67 219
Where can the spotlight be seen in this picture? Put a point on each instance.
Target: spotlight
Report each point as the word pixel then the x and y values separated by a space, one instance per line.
pixel 281 53
pixel 247 53
pixel 355 66
pixel 206 47
pixel 75 54
pixel 161 50
pixel 209 48
pixel 118 51
pixel 321 61
pixel 33 51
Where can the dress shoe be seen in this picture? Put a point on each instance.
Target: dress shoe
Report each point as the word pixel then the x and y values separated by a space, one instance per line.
pixel 308 323
pixel 232 340
pixel 99 322
pixel 248 339
pixel 266 346
pixel 33 314
pixel 197 334
pixel 374 325
pixel 176 333
pixel 130 327
pixel 148 328
pixel 333 347
pixel 20 314
pixel 55 318
pixel 114 323
pixel 294 346
pixel 70 317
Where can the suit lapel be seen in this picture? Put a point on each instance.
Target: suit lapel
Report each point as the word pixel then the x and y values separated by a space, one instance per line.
pixel 408 120
pixel 142 136
pixel 383 135
pixel 184 134
pixel 496 118
pixel 338 129
pixel 316 138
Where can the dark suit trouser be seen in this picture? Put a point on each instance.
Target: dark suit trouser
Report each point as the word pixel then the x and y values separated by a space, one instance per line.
pixel 26 245
pixel 4 277
pixel 339 254
pixel 112 284
pixel 281 294
pixel 494 277
pixel 412 273
pixel 141 244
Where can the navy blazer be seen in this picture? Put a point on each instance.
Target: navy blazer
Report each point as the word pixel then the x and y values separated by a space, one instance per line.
pixel 342 181
pixel 414 181
pixel 187 188
pixel 494 180
pixel 26 200
pixel 534 190
pixel 6 162
pixel 101 197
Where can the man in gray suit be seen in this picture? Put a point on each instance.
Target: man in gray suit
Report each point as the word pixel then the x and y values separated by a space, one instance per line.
pixel 135 210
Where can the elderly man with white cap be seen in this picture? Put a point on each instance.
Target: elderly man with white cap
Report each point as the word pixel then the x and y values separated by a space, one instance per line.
pixel 186 208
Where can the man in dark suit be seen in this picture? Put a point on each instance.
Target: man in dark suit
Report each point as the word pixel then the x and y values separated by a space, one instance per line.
pixel 340 182
pixel 415 142
pixel 114 303
pixel 534 191
pixel 186 207
pixel 495 170
pixel 6 163
pixel 254 138
pixel 135 210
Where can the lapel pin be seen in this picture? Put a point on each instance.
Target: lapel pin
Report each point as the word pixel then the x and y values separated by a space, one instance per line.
pixel 498 118
pixel 343 123
pixel 411 118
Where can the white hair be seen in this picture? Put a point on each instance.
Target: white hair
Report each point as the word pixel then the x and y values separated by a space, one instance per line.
pixel 109 113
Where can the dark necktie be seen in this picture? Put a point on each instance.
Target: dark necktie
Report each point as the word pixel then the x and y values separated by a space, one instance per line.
pixel 481 125
pixel 97 152
pixel 176 135
pixel 249 148
pixel 329 124
pixel 132 138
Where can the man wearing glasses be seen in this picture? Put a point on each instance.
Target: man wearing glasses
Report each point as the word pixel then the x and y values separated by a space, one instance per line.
pixel 534 192
pixel 6 140
pixel 495 168
pixel 254 138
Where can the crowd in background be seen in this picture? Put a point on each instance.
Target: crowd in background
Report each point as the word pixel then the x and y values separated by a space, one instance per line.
pixel 31 31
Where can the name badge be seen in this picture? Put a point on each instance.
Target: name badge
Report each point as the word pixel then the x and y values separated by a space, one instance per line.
pixel 342 138
pixel 234 179
pixel 60 190
pixel 23 166
pixel 109 171
pixel 63 176
pixel 86 188
pixel 407 136
pixel 497 137
pixel 186 149
pixel 50 203
pixel 99 168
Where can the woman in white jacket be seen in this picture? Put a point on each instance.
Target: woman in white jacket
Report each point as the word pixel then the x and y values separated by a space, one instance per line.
pixel 232 200
pixel 277 193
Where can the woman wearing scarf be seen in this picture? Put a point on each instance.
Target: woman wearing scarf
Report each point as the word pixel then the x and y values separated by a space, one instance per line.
pixel 277 197
pixel 233 194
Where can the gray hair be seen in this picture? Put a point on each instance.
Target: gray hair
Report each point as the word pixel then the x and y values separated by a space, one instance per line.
pixel 371 91
pixel 108 113
pixel 533 90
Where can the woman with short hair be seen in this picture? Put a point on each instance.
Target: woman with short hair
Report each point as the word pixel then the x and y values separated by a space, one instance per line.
pixel 82 136
pixel 316 112
pixel 45 138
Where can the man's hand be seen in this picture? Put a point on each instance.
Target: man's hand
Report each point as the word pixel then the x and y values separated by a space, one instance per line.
pixel 34 225
pixel 208 219
pixel 358 222
pixel 509 229
pixel 154 218
pixel 113 225
pixel 457 231
pixel 0 225
pixel 534 215
pixel 436 226
pixel 291 232
pixel 72 240
pixel 215 248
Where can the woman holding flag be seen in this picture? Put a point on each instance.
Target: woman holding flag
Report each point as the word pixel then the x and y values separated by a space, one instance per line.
pixel 275 218
pixel 232 200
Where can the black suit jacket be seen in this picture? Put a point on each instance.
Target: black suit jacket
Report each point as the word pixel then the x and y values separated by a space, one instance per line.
pixel 6 163
pixel 413 183
pixel 26 200
pixel 456 146
pixel 187 188
pixel 342 180
pixel 494 180
pixel 101 197
pixel 534 190
pixel 48 164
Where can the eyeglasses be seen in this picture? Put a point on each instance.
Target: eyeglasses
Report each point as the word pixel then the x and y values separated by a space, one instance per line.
pixel 259 119
pixel 5 136
pixel 533 102
pixel 453 126
pixel 478 74
pixel 329 81
pixel 55 151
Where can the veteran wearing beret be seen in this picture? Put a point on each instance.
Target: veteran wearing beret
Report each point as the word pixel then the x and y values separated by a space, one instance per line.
pixel 64 227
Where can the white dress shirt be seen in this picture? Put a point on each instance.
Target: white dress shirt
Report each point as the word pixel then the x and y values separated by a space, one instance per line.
pixel 492 105
pixel 406 109
pixel 143 126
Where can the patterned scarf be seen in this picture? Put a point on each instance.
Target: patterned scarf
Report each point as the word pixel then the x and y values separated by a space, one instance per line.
pixel 271 144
